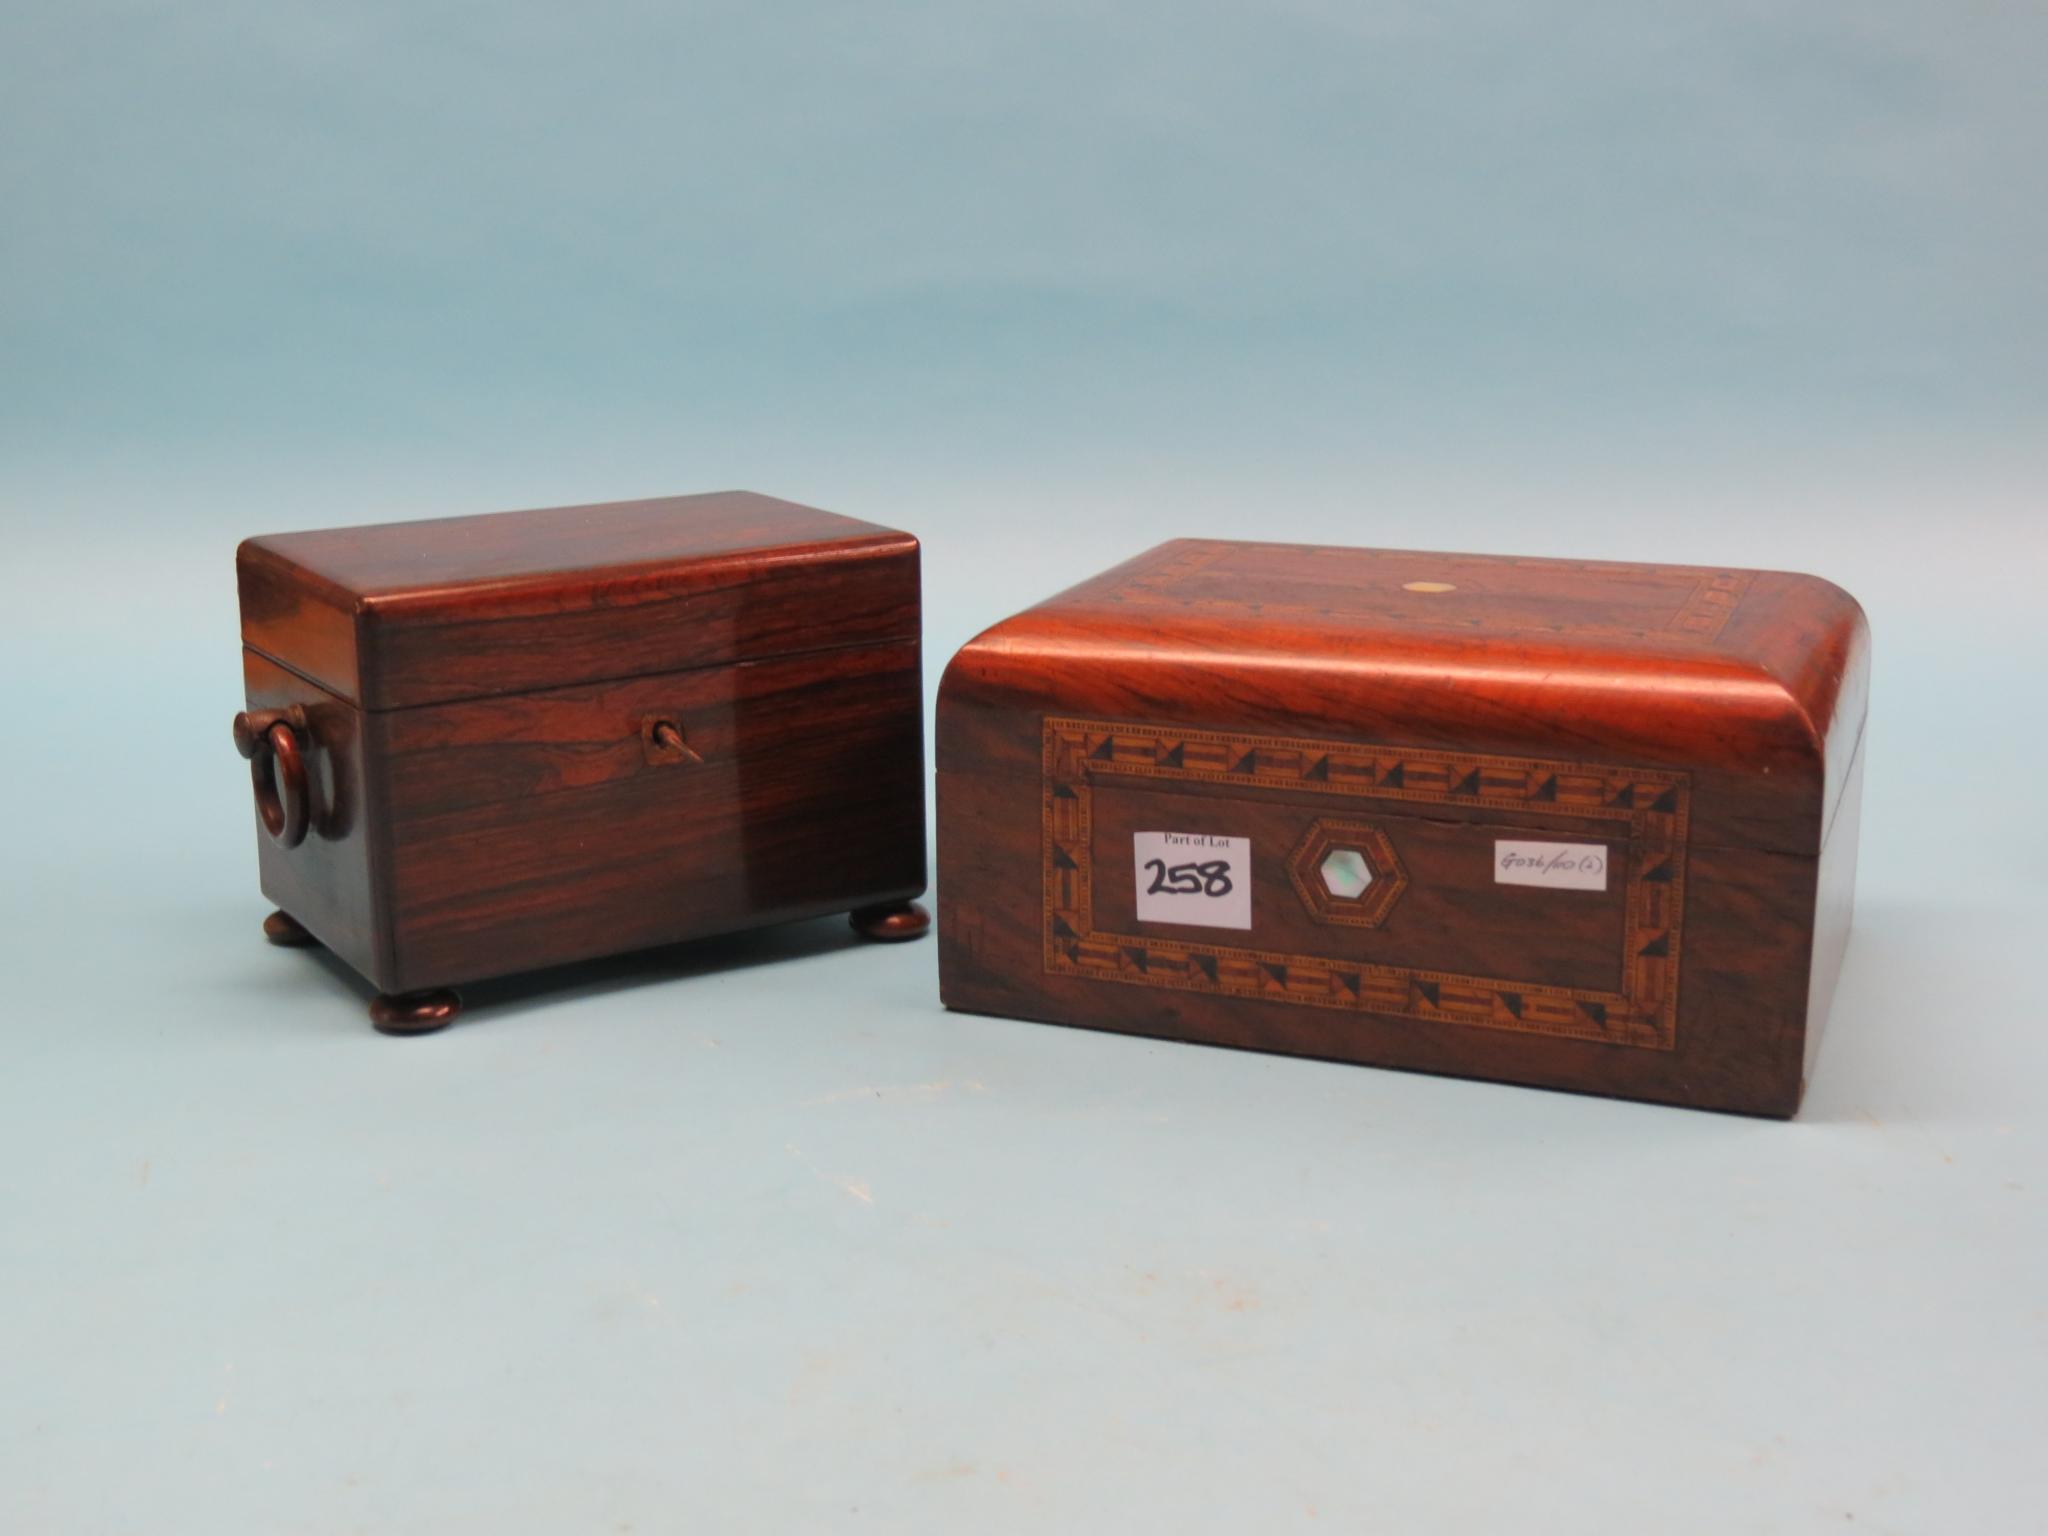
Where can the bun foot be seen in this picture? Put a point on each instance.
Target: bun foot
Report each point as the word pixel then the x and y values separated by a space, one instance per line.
pixel 891 923
pixel 414 1013
pixel 283 929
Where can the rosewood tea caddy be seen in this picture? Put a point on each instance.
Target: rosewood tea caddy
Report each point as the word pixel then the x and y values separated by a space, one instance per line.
pixel 1576 824
pixel 483 745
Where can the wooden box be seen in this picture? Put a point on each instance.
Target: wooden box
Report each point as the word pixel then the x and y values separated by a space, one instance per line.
pixel 483 745
pixel 1577 824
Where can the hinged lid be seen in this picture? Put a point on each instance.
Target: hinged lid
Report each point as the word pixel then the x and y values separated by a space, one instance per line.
pixel 1753 681
pixel 401 614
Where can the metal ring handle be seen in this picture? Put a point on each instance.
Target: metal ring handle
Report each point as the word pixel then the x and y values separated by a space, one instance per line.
pixel 277 773
pixel 282 802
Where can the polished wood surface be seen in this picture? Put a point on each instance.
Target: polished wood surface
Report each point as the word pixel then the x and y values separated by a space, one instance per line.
pixel 1698 725
pixel 403 614
pixel 1308 640
pixel 541 827
pixel 462 828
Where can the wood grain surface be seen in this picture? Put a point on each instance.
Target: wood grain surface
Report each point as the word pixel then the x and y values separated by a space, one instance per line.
pixel 402 614
pixel 548 736
pixel 1697 726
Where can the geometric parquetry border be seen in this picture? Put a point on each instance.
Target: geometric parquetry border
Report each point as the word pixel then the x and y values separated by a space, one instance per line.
pixel 1651 806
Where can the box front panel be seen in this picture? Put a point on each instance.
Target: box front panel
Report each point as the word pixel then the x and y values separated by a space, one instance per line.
pixel 1535 897
pixel 557 826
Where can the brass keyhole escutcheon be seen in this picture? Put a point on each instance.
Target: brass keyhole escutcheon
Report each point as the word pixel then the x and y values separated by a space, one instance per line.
pixel 662 738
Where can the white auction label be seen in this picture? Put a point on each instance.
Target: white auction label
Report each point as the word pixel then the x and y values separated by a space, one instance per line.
pixel 1195 878
pixel 1561 866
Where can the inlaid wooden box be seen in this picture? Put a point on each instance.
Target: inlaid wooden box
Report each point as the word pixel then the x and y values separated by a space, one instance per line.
pixel 1577 824
pixel 489 744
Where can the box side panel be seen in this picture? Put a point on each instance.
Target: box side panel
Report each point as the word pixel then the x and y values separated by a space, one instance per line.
pixel 1835 902
pixel 1813 638
pixel 555 826
pixel 1698 1000
pixel 437 647
pixel 298 621
pixel 330 881
pixel 1847 723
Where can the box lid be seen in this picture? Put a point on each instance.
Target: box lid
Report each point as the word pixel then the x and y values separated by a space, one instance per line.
pixel 1755 681
pixel 395 615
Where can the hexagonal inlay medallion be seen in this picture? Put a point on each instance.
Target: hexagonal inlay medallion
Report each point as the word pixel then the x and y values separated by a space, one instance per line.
pixel 1347 872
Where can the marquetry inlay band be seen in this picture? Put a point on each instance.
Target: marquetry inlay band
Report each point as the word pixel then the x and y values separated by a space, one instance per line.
pixel 1649 807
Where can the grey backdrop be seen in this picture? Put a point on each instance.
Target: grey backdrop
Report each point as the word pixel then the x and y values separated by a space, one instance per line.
pixel 758 1238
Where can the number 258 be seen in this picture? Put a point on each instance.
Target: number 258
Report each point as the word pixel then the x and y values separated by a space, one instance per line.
pixel 1210 879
